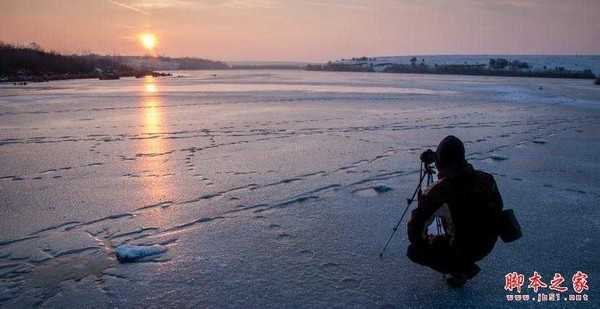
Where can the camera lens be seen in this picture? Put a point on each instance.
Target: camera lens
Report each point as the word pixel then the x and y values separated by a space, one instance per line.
pixel 428 156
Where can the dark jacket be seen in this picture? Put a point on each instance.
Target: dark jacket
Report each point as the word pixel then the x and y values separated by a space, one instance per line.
pixel 475 205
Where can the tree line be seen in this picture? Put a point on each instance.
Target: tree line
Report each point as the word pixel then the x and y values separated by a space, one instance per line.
pixel 33 60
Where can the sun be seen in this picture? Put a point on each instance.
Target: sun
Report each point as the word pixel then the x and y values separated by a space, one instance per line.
pixel 148 40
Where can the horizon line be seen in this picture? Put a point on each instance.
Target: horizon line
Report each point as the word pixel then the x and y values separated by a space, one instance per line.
pixel 583 54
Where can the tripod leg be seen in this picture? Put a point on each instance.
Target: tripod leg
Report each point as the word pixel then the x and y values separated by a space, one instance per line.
pixel 395 229
pixel 408 203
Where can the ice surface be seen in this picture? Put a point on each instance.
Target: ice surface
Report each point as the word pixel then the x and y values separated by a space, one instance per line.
pixel 132 253
pixel 277 189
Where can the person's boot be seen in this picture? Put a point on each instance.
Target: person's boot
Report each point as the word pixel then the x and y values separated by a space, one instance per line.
pixel 458 279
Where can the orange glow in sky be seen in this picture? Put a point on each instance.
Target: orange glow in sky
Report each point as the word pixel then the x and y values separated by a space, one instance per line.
pixel 148 40
pixel 309 30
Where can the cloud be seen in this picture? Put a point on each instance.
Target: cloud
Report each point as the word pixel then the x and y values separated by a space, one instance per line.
pixel 161 4
pixel 345 4
pixel 148 5
pixel 129 7
pixel 246 4
pixel 476 4
pixel 199 4
pixel 506 4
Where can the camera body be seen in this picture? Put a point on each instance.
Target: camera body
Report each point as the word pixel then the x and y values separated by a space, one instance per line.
pixel 428 157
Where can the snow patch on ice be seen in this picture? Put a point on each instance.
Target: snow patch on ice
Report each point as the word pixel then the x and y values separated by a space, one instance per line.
pixel 497 157
pixel 132 253
pixel 373 191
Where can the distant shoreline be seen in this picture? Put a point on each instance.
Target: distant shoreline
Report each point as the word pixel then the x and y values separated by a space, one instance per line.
pixel 518 69
pixel 70 76
pixel 22 64
pixel 537 66
pixel 473 73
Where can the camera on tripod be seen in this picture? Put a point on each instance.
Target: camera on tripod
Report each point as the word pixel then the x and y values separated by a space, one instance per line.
pixel 428 157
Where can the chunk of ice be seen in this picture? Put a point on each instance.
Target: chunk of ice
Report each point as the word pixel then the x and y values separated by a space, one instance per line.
pixel 132 253
pixel 382 188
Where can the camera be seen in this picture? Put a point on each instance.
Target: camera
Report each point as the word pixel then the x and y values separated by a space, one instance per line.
pixel 428 157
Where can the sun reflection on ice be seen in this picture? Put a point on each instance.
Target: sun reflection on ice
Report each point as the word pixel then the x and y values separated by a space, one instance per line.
pixel 150 87
pixel 153 152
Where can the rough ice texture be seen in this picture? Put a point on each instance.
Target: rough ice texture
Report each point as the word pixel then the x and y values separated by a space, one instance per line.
pixel 279 189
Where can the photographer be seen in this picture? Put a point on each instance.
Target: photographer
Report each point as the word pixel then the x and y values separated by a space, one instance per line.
pixel 469 203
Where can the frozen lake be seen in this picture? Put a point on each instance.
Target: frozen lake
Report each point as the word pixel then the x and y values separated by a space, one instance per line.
pixel 260 186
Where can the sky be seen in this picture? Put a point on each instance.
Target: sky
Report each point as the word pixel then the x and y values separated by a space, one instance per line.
pixel 305 30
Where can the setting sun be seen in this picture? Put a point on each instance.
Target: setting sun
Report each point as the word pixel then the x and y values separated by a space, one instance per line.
pixel 148 40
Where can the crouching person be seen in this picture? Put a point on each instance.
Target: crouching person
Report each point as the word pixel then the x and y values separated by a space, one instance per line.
pixel 470 204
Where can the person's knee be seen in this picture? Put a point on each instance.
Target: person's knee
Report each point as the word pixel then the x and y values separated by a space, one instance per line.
pixel 425 256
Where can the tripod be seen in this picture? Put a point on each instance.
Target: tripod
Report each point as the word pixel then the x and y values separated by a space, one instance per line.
pixel 426 170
